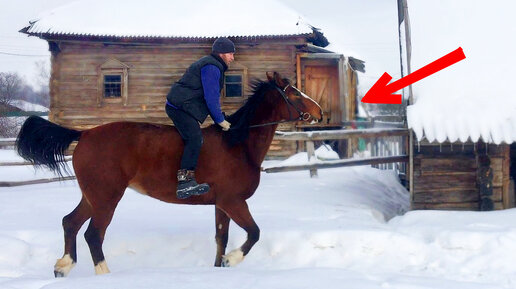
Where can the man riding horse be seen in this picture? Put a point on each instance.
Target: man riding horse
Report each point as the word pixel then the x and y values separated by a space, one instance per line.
pixel 189 102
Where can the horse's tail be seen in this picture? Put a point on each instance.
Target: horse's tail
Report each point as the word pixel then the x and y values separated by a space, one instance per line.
pixel 44 143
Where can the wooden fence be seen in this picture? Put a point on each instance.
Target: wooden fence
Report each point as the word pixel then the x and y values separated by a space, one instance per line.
pixel 310 137
pixel 8 143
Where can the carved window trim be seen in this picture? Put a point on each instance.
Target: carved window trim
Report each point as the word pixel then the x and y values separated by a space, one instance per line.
pixel 113 67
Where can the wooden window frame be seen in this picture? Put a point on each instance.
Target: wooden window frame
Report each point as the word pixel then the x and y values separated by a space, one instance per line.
pixel 113 67
pixel 121 75
pixel 240 70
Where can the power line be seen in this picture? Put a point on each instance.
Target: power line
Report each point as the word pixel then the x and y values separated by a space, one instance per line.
pixel 16 54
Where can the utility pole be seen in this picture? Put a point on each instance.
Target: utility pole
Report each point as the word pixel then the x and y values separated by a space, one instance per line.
pixel 405 44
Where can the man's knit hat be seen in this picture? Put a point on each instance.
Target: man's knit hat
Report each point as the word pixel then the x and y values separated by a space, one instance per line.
pixel 223 45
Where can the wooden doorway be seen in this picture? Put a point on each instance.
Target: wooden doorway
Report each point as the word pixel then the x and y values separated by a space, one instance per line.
pixel 322 85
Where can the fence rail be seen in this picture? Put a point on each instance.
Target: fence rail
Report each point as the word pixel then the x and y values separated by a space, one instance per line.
pixel 25 163
pixel 341 134
pixel 322 135
pixel 339 163
pixel 34 182
pixel 7 142
pixel 10 142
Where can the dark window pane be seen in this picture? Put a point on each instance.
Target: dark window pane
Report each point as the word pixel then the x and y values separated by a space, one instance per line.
pixel 234 78
pixel 112 85
pixel 233 90
pixel 112 78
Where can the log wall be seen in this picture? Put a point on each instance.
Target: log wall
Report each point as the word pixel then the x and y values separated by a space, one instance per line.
pixel 461 177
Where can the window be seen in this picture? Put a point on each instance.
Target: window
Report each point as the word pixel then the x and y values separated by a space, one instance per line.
pixel 112 86
pixel 233 85
pixel 113 83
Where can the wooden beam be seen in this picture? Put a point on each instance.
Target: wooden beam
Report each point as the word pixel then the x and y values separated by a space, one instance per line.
pixel 38 181
pixel 7 142
pixel 25 163
pixel 341 134
pixel 310 150
pixel 339 163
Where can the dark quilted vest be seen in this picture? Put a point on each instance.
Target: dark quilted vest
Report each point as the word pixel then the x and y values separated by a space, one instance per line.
pixel 188 94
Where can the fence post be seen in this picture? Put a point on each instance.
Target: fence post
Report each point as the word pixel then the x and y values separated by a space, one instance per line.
pixel 310 150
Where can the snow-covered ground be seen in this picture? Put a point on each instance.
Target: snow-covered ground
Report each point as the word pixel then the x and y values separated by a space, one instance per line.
pixel 339 230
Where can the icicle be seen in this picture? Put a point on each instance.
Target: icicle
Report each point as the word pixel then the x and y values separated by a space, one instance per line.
pixel 418 146
pixel 451 146
pixel 440 147
pixel 463 146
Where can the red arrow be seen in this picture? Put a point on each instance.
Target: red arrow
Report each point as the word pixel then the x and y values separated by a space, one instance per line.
pixel 382 92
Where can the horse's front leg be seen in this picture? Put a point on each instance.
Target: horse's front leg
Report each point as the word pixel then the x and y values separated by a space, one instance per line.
pixel 221 235
pixel 238 211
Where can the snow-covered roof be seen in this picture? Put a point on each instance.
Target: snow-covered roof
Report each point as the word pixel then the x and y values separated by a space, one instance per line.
pixel 170 19
pixel 28 106
pixel 472 100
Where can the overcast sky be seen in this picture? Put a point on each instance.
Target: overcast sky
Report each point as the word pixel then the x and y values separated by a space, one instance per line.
pixel 363 29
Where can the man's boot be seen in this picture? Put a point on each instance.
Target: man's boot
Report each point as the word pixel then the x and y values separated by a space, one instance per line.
pixel 187 186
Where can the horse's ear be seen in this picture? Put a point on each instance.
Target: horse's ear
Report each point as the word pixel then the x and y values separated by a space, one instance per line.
pixel 270 77
pixel 278 79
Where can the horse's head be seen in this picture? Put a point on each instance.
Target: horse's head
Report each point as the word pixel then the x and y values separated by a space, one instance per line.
pixel 297 104
pixel 272 102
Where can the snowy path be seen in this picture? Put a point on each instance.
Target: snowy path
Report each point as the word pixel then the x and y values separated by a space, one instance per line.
pixel 328 232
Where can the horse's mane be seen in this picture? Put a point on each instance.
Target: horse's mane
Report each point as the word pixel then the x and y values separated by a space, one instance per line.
pixel 240 120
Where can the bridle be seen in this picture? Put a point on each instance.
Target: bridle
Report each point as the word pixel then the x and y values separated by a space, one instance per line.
pixel 304 116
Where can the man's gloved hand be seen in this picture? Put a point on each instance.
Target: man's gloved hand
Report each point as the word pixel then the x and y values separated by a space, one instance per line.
pixel 225 125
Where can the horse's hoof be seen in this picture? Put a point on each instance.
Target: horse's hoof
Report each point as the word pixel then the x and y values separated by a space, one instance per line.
pixel 63 266
pixel 233 258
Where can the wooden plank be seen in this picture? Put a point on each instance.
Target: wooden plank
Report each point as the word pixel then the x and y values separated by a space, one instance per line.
pixel 341 134
pixel 38 181
pixel 466 206
pixel 24 163
pixel 339 163
pixel 420 173
pixel 456 196
pixel 462 164
pixel 310 151
pixel 467 180
pixel 443 188
pixel 7 142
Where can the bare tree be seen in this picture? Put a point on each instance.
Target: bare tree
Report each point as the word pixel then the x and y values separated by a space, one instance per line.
pixel 10 87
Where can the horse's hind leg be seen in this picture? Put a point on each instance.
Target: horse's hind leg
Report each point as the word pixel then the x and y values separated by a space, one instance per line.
pixel 71 225
pixel 239 213
pixel 221 236
pixel 95 233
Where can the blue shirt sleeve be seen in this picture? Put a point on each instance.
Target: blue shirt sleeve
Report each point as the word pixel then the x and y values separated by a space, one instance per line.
pixel 210 76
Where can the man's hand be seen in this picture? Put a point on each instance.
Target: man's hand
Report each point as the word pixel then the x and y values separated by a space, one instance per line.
pixel 225 125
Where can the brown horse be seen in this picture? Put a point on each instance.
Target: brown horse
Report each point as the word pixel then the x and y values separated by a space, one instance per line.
pixel 145 157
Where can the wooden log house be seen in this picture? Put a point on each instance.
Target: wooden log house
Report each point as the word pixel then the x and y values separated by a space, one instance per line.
pixel 97 78
pixel 469 176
